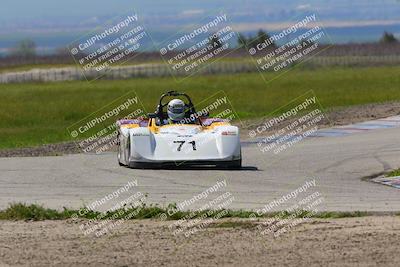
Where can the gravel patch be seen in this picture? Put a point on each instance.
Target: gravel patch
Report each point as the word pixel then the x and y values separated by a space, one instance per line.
pixel 365 241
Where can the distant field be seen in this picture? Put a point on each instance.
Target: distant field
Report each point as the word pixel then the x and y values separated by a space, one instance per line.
pixel 37 113
pixel 33 66
pixel 44 66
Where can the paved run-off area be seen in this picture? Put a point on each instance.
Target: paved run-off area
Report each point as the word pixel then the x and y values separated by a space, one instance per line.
pixel 338 164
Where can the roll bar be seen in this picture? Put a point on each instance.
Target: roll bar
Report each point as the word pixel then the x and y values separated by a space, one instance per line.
pixel 161 105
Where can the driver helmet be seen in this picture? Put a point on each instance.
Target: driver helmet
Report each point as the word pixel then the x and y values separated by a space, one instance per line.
pixel 176 110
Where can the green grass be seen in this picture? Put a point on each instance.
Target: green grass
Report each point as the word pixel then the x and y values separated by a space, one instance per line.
pixel 394 173
pixel 19 211
pixel 235 224
pixel 344 214
pixel 32 212
pixel 37 113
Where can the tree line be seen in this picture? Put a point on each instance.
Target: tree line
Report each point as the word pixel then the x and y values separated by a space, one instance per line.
pixel 27 48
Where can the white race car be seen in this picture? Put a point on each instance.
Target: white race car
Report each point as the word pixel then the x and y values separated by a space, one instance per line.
pixel 155 142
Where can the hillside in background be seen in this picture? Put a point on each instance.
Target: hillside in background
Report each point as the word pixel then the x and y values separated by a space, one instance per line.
pixel 56 24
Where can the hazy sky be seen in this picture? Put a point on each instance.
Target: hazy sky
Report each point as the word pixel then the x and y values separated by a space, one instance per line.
pixel 22 10
pixel 54 23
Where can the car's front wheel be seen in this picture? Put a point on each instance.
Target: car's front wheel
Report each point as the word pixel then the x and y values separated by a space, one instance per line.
pixel 119 155
pixel 235 164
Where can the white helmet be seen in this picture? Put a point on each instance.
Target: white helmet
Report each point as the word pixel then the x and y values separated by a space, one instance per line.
pixel 176 109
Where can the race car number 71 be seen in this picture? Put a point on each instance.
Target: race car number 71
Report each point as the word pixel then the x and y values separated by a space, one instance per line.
pixel 182 142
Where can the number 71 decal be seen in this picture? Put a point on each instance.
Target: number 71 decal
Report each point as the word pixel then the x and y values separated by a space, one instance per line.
pixel 193 143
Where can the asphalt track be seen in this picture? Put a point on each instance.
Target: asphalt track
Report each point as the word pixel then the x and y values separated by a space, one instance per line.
pixel 338 163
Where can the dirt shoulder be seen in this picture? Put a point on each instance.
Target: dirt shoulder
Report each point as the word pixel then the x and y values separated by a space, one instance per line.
pixel 365 241
pixel 43 150
pixel 340 116
pixel 336 117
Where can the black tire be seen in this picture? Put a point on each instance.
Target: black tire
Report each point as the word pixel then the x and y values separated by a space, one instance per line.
pixel 119 152
pixel 235 164
pixel 128 149
pixel 119 156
